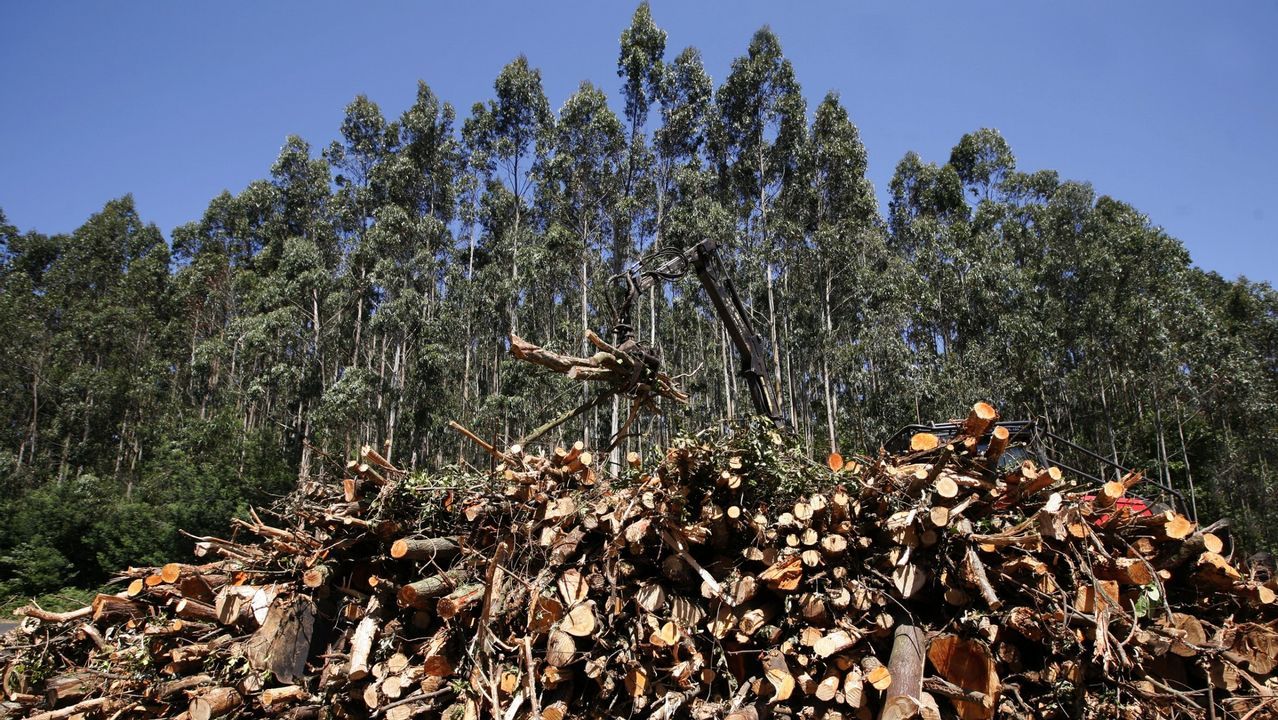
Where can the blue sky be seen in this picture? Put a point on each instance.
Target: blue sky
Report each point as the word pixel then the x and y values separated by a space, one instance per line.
pixel 1171 106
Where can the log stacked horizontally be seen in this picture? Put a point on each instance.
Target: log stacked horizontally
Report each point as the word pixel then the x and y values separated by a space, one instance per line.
pixel 731 578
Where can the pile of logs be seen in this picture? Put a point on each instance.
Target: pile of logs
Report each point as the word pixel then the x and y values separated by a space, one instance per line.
pixel 930 584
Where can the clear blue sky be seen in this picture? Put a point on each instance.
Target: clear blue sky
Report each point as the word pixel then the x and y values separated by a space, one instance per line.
pixel 1171 106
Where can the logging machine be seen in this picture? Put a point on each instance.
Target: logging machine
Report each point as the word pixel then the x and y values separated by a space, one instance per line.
pixel 1029 440
pixel 703 260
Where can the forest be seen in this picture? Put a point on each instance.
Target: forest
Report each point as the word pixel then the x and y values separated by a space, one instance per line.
pixel 365 291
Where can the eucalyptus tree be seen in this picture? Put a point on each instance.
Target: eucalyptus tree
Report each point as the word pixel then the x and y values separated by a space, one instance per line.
pixel 584 179
pixel 366 141
pixel 421 181
pixel 214 260
pixel 109 318
pixel 642 69
pixel 760 143
pixel 25 357
pixel 287 325
pixel 505 141
pixel 688 209
pixel 840 268
pixel 984 276
pixel 507 138
pixel 927 214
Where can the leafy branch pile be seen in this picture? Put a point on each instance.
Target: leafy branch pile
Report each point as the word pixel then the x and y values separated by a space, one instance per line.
pixel 930 584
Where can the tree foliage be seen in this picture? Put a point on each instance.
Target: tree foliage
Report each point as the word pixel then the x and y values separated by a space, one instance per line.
pixel 363 294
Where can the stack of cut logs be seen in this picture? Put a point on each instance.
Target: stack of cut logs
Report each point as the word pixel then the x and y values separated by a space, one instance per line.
pixel 930 584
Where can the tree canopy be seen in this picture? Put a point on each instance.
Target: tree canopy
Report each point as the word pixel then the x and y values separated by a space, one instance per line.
pixel 363 293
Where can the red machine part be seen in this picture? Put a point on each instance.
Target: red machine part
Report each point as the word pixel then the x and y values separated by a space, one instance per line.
pixel 1133 505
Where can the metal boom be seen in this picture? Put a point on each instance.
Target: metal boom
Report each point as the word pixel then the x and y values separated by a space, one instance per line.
pixel 703 259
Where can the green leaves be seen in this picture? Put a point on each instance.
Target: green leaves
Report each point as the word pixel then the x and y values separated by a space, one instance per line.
pixel 643 47
pixel 364 295
pixel 982 160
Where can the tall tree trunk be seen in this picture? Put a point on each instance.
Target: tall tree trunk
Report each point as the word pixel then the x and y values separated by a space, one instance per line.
pixel 397 392
pixel 727 376
pixel 830 409
pixel 359 314
pixel 585 325
pixel 789 358
pixel 1189 473
pixel 470 324
pixel 1165 469
pixel 514 251
pixel 1109 422
pixel 772 330
pixel 315 319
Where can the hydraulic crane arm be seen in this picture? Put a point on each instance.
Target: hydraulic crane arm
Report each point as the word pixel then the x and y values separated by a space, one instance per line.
pixel 703 259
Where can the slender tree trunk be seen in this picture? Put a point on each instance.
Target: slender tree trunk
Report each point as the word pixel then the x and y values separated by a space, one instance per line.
pixel 470 322
pixel 789 357
pixel 397 391
pixel 359 315
pixel 319 348
pixel 1165 470
pixel 656 245
pixel 727 376
pixel 1109 423
pixel 772 329
pixel 35 417
pixel 1189 473
pixel 514 252
pixel 585 325
pixel 830 410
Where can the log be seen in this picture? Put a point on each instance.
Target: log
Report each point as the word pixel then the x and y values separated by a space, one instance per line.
pixel 362 641
pixel 777 672
pixel 572 453
pixel 968 667
pixel 71 686
pixel 828 688
pixel 275 698
pixel 198 651
pixel 1108 494
pixel 283 642
pixel 317 576
pixel 455 602
pixel 113 608
pixel 1128 571
pixel 81 709
pixel 946 487
pixel 876 673
pixel 979 419
pixel 904 695
pixel 835 642
pixel 192 609
pixel 372 457
pixel 437 550
pixel 561 648
pixel 579 621
pixel 854 687
pixel 999 438
pixel 922 442
pixel 165 690
pixel 416 594
pixel 215 702
pixel 976 569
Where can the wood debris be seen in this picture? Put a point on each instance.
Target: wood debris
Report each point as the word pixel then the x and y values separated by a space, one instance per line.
pixel 705 586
